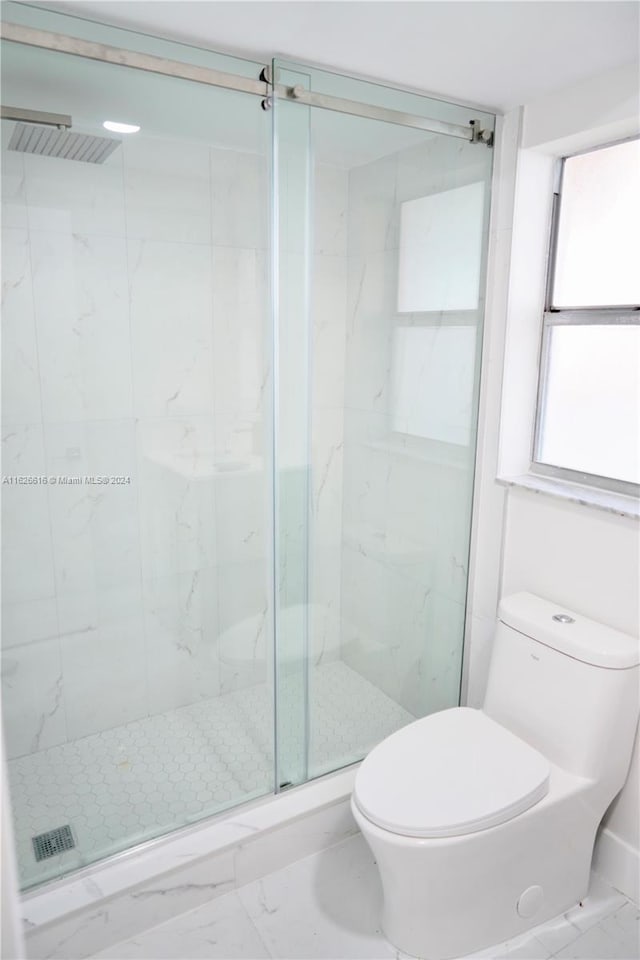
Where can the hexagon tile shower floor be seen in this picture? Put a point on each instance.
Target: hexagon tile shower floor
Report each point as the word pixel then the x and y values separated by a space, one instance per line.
pixel 124 785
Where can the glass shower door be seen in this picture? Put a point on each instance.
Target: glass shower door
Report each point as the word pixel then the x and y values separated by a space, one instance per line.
pixel 137 643
pixel 392 237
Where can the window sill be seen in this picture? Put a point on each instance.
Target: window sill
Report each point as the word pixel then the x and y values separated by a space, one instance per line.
pixel 617 503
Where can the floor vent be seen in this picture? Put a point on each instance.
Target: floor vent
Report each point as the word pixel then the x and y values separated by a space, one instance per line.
pixel 53 842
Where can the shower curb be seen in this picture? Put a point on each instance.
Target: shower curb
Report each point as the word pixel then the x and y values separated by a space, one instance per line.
pixel 72 919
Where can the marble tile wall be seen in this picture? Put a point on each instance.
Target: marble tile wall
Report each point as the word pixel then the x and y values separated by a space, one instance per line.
pixel 406 499
pixel 135 346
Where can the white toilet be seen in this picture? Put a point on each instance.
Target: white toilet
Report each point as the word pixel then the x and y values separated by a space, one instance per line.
pixel 482 822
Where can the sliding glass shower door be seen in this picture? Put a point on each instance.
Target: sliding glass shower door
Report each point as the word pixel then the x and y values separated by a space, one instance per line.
pixel 241 348
pixel 137 585
pixel 382 232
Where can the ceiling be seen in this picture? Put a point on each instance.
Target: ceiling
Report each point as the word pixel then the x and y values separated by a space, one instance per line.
pixel 493 54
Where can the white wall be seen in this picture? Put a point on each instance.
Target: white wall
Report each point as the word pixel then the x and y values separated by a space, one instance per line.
pixel 584 558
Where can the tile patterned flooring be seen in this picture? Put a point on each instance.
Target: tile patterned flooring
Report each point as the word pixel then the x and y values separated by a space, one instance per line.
pixel 326 907
pixel 140 780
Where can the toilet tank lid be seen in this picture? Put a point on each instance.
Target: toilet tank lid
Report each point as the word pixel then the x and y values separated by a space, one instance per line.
pixel 577 637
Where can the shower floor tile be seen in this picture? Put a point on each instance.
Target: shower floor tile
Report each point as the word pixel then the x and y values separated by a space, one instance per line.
pixel 147 777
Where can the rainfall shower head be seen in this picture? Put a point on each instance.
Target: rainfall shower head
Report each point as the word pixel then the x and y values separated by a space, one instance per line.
pixel 48 142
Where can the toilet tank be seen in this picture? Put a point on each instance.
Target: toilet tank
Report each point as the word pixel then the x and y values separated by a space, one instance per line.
pixel 567 685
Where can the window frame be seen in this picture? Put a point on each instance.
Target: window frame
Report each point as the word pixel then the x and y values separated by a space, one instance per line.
pixel 572 316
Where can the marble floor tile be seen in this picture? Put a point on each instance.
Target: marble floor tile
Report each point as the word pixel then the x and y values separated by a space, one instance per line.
pixel 601 900
pixel 220 930
pixel 325 906
pixel 616 937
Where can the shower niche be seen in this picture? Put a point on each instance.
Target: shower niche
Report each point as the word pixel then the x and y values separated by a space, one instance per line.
pixel 240 375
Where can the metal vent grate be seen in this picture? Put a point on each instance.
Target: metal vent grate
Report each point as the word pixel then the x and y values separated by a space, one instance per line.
pixel 52 842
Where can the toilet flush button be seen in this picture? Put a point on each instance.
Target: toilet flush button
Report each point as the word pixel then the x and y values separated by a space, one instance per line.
pixel 530 901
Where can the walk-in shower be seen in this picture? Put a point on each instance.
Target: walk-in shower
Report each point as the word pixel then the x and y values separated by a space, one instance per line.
pixel 240 376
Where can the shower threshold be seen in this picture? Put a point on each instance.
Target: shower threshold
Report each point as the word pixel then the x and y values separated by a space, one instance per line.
pixel 128 784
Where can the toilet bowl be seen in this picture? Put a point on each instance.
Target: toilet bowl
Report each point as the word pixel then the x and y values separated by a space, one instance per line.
pixel 482 822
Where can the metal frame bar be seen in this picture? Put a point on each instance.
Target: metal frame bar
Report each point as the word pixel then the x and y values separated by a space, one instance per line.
pixel 90 50
pixel 355 108
pixel 16 33
pixel 592 315
pixel 22 115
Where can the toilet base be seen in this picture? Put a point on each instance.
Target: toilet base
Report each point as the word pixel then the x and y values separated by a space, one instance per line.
pixel 445 898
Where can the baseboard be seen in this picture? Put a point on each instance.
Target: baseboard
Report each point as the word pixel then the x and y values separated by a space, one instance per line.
pixel 619 863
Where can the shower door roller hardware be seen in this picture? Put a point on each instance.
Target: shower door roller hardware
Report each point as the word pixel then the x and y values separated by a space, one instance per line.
pixel 266 75
pixel 480 135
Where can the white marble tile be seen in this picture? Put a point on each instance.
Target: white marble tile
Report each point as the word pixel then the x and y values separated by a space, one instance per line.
pixel 325 583
pixel 373 207
pixel 367 474
pixel 171 323
pixel 181 621
pixel 273 850
pixel 167 190
pixel 242 591
pixel 328 307
pixel 94 526
pixel 616 937
pixel 21 401
pixel 176 459
pixel 240 334
pixel 244 631
pixel 327 444
pixel 82 323
pixel 239 199
pixel 105 672
pixel 29 621
pixel 370 308
pixel 414 502
pixel 65 196
pixel 14 210
pixel 601 901
pixel 241 515
pixel 27 568
pixel 526 947
pixel 327 905
pixel 32 697
pixel 330 210
pixel 220 929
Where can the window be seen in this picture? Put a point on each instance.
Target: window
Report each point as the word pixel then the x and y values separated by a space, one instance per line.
pixel 588 418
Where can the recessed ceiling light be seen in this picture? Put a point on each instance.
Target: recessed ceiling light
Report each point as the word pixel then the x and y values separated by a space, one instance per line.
pixel 120 127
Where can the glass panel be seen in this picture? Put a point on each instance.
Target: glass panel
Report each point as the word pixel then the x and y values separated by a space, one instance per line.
pixel 291 129
pixel 137 644
pixel 597 249
pixel 397 249
pixel 591 403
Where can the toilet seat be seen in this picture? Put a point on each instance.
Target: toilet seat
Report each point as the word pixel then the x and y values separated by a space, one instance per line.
pixel 452 773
